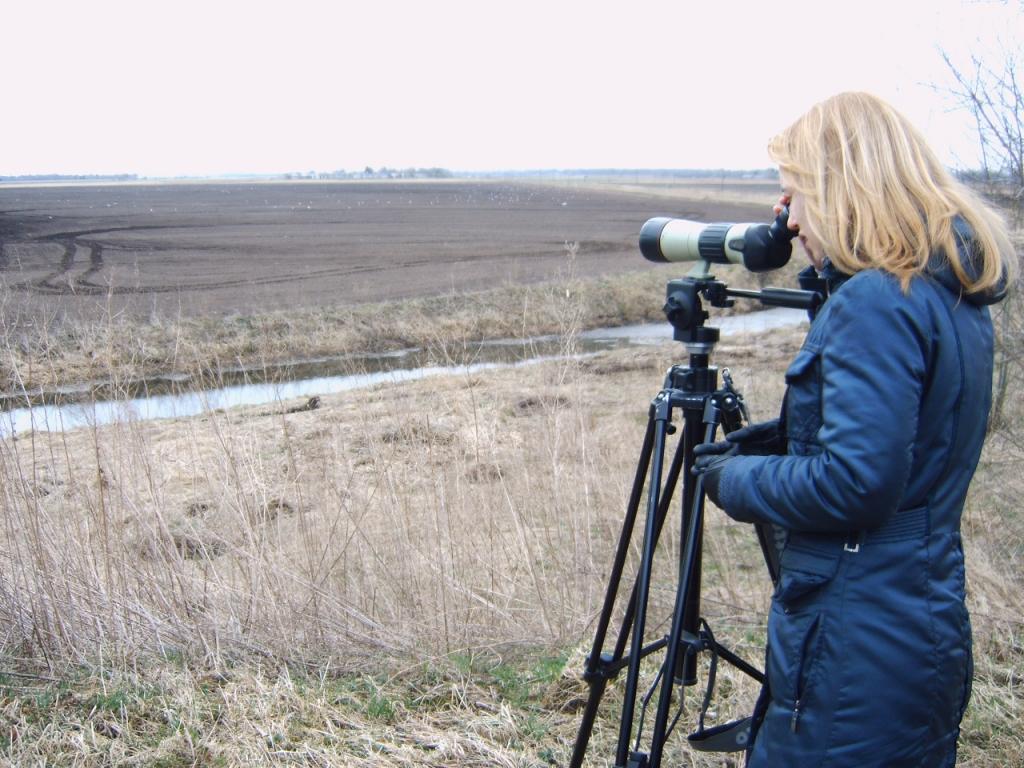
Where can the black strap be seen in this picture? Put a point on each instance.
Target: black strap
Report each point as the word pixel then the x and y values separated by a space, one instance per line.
pixel 729 737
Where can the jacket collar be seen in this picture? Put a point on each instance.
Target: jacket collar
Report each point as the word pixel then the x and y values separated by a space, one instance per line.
pixel 940 269
pixel 830 279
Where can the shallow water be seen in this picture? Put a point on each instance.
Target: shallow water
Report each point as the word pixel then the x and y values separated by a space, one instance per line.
pixel 171 398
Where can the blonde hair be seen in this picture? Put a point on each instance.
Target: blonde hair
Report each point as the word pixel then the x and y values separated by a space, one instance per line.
pixel 877 197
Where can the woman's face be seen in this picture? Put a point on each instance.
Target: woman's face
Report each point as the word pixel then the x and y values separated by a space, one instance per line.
pixel 797 213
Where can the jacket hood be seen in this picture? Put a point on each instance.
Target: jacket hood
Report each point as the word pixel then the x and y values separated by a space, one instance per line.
pixel 941 270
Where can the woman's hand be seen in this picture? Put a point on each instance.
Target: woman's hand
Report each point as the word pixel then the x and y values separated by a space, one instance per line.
pixel 783 202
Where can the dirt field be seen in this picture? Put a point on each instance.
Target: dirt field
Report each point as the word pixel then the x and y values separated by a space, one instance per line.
pixel 159 250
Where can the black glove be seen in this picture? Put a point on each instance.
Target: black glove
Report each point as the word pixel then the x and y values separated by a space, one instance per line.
pixel 711 459
pixel 762 439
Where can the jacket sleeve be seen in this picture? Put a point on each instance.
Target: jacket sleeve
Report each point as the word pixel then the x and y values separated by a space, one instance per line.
pixel 874 362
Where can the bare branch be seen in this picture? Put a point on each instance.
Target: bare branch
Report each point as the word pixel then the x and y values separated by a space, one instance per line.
pixel 996 102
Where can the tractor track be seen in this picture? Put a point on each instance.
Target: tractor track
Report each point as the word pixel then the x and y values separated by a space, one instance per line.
pixel 61 281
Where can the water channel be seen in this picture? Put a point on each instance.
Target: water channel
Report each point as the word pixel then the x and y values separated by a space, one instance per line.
pixel 174 398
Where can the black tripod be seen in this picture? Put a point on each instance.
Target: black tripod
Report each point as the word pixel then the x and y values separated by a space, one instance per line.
pixel 694 390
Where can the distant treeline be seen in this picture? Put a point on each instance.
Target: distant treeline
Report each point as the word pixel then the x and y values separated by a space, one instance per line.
pixel 770 174
pixel 384 172
pixel 443 173
pixel 380 173
pixel 43 177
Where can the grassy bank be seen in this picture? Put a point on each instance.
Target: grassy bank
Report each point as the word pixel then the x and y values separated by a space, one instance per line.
pixel 44 354
pixel 407 575
pixel 450 531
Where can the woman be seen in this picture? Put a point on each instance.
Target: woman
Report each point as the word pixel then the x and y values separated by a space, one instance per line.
pixel 869 648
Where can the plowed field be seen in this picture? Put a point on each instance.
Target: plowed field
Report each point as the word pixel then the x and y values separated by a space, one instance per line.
pixel 224 248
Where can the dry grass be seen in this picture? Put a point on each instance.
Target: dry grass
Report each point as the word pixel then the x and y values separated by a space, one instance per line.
pixel 406 576
pixel 117 350
pixel 47 354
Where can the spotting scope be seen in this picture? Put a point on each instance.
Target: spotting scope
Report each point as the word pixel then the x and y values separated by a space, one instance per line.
pixel 758 247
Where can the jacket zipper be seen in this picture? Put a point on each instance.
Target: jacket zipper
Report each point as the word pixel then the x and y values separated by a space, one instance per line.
pixel 804 653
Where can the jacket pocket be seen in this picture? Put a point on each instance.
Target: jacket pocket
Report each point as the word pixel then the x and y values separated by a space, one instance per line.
pixel 796 625
pixel 803 398
pixel 794 647
pixel 808 653
pixel 802 572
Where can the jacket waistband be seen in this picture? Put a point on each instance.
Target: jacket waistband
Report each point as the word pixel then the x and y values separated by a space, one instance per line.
pixel 903 525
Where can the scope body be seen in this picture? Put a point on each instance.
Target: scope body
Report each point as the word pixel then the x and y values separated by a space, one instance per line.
pixel 758 247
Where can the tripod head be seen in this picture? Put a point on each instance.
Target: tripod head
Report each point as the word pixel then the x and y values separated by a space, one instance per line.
pixel 685 311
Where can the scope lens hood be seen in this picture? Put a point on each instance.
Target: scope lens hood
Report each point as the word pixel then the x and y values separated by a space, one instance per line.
pixel 650 239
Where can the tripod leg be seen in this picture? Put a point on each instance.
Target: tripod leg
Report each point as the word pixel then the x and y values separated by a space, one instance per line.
pixel 770 548
pixel 599 667
pixel 662 414
pixel 675 642
pixel 667 491
pixel 602 667
pixel 622 550
pixel 687 610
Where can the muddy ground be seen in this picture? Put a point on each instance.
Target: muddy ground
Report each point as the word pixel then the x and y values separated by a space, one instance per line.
pixel 167 250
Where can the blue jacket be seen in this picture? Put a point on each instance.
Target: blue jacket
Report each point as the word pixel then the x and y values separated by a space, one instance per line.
pixel 869 644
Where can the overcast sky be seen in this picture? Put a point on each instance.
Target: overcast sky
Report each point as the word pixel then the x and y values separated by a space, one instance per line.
pixel 216 86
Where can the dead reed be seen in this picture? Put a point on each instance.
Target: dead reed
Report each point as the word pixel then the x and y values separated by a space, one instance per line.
pixel 406 575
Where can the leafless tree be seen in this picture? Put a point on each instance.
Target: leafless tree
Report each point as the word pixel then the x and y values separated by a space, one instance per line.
pixel 992 93
pixel 989 88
